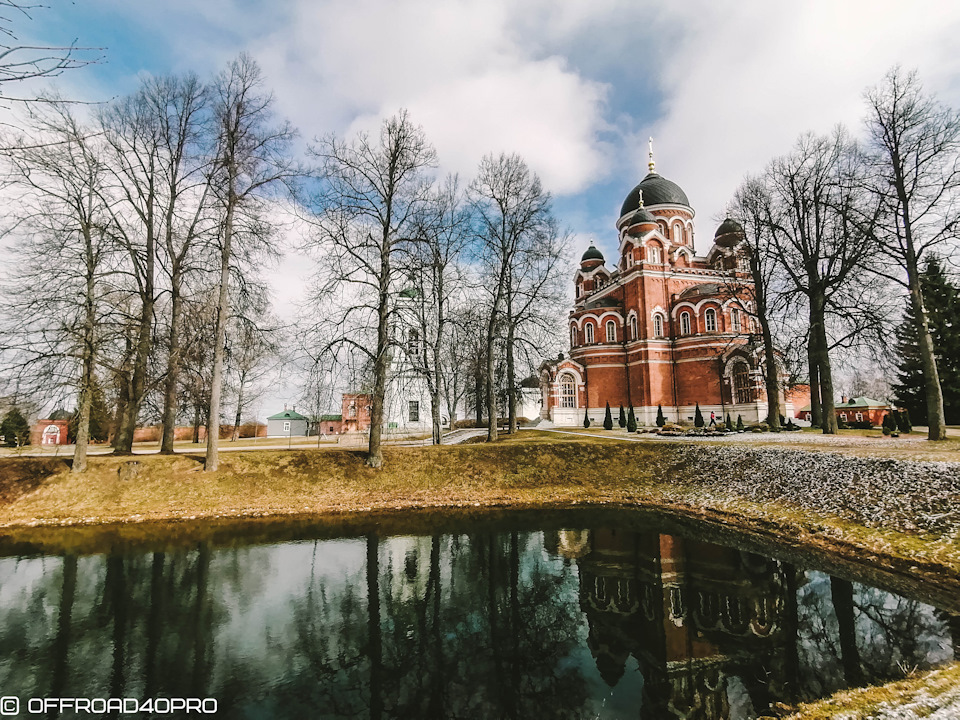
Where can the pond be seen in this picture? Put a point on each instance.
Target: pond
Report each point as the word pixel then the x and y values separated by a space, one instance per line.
pixel 568 617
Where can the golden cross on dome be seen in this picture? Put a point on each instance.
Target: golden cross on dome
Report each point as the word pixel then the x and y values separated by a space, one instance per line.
pixel 650 164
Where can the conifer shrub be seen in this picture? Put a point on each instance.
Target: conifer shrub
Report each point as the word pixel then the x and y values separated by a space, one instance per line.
pixel 740 422
pixel 622 420
pixel 586 420
pixel 631 421
pixel 661 419
pixel 608 419
pixel 698 417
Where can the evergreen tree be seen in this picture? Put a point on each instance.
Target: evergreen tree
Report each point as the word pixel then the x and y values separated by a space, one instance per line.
pixel 586 419
pixel 661 420
pixel 729 422
pixel 889 423
pixel 942 301
pixel 698 417
pixel 622 420
pixel 631 421
pixel 15 429
pixel 739 422
pixel 903 422
pixel 608 419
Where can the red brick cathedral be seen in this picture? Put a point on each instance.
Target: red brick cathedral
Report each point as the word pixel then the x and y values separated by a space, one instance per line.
pixel 664 326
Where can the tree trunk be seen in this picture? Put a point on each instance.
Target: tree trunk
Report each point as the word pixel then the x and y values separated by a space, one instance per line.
pixel 375 639
pixel 212 462
pixel 491 393
pixel 511 384
pixel 61 643
pixel 170 396
pixel 936 420
pixel 196 424
pixel 236 420
pixel 138 380
pixel 380 366
pixel 435 414
pixel 478 393
pixel 816 410
pixel 842 594
pixel 772 377
pixel 818 339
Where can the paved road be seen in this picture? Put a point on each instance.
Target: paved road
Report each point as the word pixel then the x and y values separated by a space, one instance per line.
pixel 342 441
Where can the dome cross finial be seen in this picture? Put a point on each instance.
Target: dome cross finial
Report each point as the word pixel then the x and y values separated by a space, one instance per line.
pixel 651 165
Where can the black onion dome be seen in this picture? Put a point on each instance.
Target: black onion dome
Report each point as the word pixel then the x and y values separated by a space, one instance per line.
pixel 657 190
pixel 729 233
pixel 592 253
pixel 641 216
pixel 728 226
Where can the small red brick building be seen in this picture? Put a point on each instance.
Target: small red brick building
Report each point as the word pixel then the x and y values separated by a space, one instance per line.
pixel 663 327
pixel 854 410
pixel 355 415
pixel 50 432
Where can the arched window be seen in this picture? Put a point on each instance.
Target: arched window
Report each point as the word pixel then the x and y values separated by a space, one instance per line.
pixel 658 325
pixel 633 328
pixel 685 323
pixel 735 320
pixel 629 258
pixel 413 341
pixel 588 331
pixel 611 331
pixel 653 255
pixel 573 336
pixel 568 391
pixel 710 320
pixel 678 234
pixel 598 283
pixel 742 384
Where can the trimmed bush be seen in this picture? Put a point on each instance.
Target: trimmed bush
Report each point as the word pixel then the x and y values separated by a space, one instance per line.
pixel 739 422
pixel 607 419
pixel 586 420
pixel 698 417
pixel 631 421
pixel 622 420
pixel 661 420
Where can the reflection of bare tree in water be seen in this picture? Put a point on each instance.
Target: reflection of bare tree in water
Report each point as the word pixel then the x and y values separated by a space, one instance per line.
pixel 458 626
pixel 853 634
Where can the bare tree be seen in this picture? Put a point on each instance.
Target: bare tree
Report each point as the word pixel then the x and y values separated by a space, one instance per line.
pixel 158 202
pixel 252 347
pixel 915 162
pixel 374 189
pixel 814 216
pixel 252 157
pixel 180 105
pixel 21 63
pixel 750 208
pixel 442 233
pixel 512 209
pixel 59 282
pixel 534 303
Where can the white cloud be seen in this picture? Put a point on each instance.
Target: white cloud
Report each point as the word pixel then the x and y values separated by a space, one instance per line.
pixel 744 79
pixel 460 70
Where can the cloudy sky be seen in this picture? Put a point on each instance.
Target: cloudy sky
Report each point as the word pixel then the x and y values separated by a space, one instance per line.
pixel 575 86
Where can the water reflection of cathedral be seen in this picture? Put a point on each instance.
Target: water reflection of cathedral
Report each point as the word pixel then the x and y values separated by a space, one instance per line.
pixel 703 622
